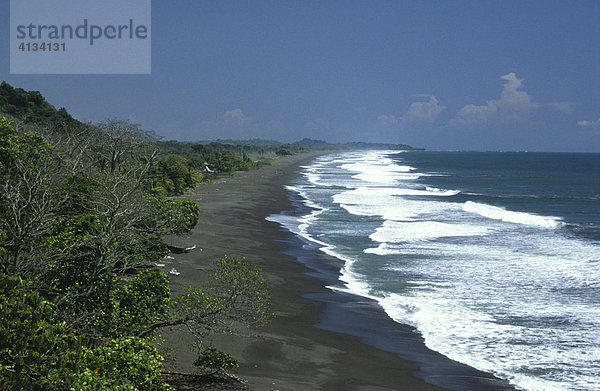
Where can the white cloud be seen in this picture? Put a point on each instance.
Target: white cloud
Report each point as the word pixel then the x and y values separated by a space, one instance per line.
pixel 590 124
pixel 475 114
pixel 565 107
pixel 424 111
pixel 387 121
pixel 513 104
pixel 237 117
pixel 417 112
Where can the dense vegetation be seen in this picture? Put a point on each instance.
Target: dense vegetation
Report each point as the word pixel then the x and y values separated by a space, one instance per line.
pixel 30 106
pixel 176 166
pixel 84 209
pixel 182 165
pixel 83 214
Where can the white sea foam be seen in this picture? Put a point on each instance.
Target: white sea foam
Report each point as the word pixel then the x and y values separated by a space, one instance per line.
pixel 305 198
pixel 504 298
pixel 288 222
pixel 375 167
pixel 388 203
pixel 465 319
pixel 497 213
pixel 397 231
pixel 386 177
pixel 356 283
pixel 399 191
pixel 314 178
pixel 365 192
pixel 383 249
pixel 494 288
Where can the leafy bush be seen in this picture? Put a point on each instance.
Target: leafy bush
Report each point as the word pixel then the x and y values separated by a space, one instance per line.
pixel 131 363
pixel 173 175
pixel 37 353
pixel 214 361
pixel 30 105
pixel 144 301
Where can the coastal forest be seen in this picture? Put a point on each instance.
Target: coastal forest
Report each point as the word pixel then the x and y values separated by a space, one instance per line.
pixel 84 212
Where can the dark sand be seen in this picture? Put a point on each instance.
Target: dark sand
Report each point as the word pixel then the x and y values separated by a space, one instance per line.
pixel 318 340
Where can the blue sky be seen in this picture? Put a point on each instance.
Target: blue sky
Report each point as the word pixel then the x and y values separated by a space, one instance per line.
pixel 450 75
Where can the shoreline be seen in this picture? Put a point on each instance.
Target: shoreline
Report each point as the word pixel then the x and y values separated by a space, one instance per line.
pixel 319 339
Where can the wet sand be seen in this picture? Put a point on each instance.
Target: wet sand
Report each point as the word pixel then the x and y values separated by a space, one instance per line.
pixel 318 340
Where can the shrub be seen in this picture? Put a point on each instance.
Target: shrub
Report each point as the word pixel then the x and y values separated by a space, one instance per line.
pixel 214 361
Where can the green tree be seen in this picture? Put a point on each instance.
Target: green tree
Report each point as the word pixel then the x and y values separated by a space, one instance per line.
pixel 37 353
pixel 90 281
pixel 27 205
pixel 33 350
pixel 79 221
pixel 81 237
pixel 237 293
pixel 144 301
pixel 30 106
pixel 173 174
pixel 79 192
pixel 170 216
pixel 129 363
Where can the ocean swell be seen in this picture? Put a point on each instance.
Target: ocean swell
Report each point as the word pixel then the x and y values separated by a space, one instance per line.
pixel 497 213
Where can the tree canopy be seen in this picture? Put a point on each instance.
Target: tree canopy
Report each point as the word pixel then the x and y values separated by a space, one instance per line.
pixel 82 225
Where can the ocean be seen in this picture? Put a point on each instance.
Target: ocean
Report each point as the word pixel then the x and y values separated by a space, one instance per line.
pixel 493 257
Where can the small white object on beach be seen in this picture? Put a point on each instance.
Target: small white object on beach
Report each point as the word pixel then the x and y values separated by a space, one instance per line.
pixel 174 272
pixel 159 264
pixel 188 249
pixel 168 257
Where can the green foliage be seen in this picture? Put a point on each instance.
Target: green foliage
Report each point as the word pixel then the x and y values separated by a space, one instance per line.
pixel 214 361
pixel 184 213
pixel 126 364
pixel 82 218
pixel 227 161
pixel 237 293
pixel 141 248
pixel 173 174
pixel 245 288
pixel 223 158
pixel 37 353
pixel 33 148
pixel 201 310
pixel 78 191
pixel 30 106
pixel 87 288
pixel 126 305
pixel 74 231
pixel 26 161
pixel 172 216
pixel 29 149
pixel 7 142
pixel 73 250
pixel 144 301
pixel 283 152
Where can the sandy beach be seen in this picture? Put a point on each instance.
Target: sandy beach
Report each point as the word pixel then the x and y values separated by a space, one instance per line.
pixel 318 340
